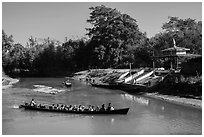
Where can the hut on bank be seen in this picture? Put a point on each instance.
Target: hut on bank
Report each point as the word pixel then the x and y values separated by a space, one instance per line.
pixel 173 57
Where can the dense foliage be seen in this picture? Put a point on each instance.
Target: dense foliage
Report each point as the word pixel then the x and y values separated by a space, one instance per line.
pixel 46 59
pixel 114 41
pixel 114 35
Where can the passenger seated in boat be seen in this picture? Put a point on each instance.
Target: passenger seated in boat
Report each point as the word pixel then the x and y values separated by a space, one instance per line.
pixel 89 108
pixel 103 108
pixel 79 108
pixel 74 108
pixel 39 106
pixel 57 107
pixel 66 107
pixel 32 103
pixel 82 108
pixel 110 107
pixel 50 107
pixel 62 107
pixel 53 106
pixel 97 108
pixel 86 108
pixel 93 108
pixel 43 106
pixel 70 107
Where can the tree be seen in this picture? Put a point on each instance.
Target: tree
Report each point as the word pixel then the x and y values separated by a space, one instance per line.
pixel 17 55
pixel 7 42
pixel 187 32
pixel 112 33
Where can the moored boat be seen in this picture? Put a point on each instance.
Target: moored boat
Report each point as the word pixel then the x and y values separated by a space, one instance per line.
pixel 67 83
pixel 136 88
pixel 143 85
pixel 47 109
pixel 105 85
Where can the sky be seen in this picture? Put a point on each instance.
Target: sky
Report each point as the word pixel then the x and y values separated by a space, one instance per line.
pixel 58 20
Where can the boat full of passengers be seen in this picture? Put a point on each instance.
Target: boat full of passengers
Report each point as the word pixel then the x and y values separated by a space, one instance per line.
pixel 76 109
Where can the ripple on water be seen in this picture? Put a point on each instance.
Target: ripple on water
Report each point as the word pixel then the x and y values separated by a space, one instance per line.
pixel 47 89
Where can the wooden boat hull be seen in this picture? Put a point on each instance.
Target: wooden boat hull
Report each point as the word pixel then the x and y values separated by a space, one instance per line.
pixel 133 87
pixel 117 111
pixel 108 86
pixel 149 84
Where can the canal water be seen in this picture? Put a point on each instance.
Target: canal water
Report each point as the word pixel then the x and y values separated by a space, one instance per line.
pixel 146 116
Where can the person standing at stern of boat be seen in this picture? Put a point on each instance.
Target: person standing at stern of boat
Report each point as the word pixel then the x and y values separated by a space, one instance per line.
pixel 32 103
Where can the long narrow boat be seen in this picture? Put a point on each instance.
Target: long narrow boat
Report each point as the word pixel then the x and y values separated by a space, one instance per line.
pixel 116 111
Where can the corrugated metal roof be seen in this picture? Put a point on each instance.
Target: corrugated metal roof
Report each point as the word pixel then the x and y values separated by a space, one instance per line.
pixel 175 48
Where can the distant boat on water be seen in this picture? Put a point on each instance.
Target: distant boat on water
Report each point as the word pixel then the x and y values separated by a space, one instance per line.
pixel 67 83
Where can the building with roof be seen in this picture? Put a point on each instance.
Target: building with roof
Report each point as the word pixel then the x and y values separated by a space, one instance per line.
pixel 174 56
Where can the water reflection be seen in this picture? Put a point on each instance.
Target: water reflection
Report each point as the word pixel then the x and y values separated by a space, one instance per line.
pixel 112 120
pixel 140 100
pixel 171 110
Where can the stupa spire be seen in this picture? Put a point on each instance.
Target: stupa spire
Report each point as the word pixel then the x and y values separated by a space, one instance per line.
pixel 174 43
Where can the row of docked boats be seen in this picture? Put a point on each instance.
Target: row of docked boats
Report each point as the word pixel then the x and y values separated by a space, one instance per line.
pixel 139 80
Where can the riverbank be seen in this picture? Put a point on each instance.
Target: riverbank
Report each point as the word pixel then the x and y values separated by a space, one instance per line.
pixel 8 82
pixel 196 103
pixel 191 102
